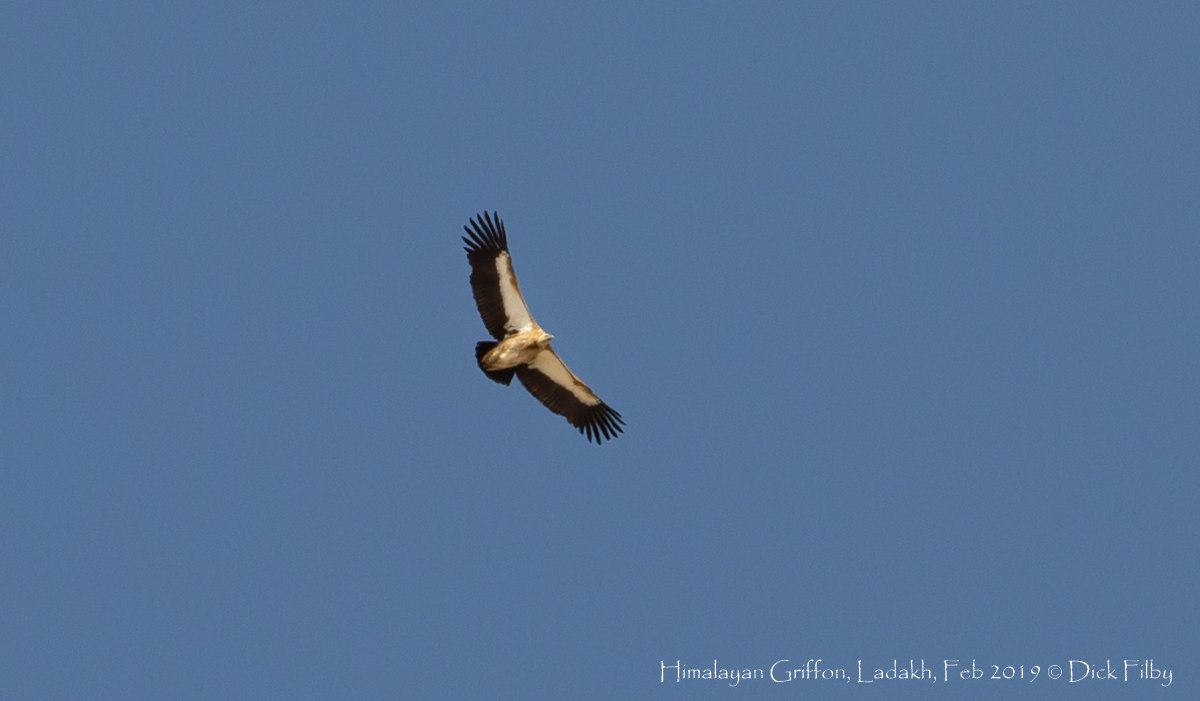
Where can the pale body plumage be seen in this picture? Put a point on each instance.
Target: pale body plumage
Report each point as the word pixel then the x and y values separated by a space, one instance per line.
pixel 521 348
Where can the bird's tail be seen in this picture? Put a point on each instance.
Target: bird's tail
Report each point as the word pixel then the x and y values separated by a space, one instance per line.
pixel 505 376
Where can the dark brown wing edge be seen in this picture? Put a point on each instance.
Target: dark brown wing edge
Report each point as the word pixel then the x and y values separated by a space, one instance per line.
pixel 596 421
pixel 487 241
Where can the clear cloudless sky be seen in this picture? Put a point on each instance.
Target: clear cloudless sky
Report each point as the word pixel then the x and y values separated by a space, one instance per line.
pixel 899 302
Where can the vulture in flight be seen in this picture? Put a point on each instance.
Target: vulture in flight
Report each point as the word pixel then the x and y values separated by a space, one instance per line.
pixel 521 346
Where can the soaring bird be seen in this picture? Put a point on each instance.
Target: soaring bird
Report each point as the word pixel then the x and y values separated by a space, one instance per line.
pixel 521 346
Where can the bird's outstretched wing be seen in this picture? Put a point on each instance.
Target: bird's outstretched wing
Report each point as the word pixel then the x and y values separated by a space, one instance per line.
pixel 550 380
pixel 493 282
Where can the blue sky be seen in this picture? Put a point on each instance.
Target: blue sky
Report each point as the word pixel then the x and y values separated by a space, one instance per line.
pixel 898 302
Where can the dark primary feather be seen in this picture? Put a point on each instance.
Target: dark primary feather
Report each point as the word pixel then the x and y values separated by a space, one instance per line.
pixel 487 241
pixel 597 422
pixel 487 236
